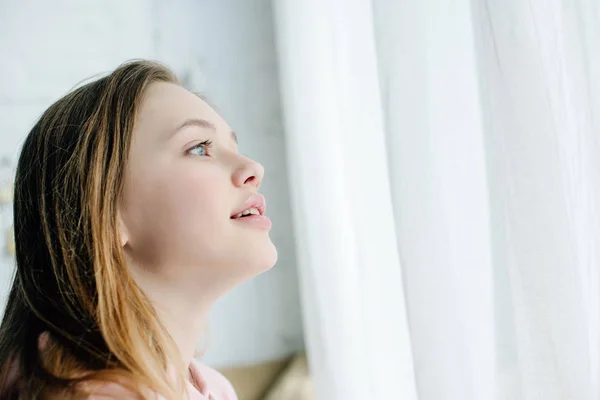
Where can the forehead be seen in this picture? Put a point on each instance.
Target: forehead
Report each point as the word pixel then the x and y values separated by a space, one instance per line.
pixel 165 106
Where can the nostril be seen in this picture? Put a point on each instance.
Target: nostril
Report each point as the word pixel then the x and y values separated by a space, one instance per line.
pixel 249 173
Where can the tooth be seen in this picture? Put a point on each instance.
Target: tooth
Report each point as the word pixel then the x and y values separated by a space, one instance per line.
pixel 250 211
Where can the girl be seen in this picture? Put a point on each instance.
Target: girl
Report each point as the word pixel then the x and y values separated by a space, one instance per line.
pixel 133 212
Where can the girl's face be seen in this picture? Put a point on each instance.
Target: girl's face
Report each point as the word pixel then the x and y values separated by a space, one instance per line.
pixel 184 182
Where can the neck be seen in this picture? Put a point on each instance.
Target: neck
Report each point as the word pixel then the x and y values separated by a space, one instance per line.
pixel 182 303
pixel 182 310
pixel 185 321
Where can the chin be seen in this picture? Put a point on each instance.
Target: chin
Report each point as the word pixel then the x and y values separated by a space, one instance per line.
pixel 269 258
pixel 260 259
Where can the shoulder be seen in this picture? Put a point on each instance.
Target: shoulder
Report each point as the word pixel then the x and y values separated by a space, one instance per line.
pixel 215 381
pixel 109 391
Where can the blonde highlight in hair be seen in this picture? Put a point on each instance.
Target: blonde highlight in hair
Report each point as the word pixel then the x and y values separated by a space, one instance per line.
pixel 72 287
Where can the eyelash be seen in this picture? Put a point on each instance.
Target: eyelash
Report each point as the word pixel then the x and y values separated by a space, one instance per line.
pixel 207 144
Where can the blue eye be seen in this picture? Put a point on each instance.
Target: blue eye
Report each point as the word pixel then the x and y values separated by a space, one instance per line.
pixel 200 149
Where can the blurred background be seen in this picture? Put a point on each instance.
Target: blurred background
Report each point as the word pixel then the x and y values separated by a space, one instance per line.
pixel 222 49
pixel 432 176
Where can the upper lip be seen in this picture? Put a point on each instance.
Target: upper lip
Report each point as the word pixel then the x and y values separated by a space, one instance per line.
pixel 254 201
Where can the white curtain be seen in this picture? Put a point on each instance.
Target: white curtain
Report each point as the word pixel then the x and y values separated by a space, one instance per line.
pixel 443 159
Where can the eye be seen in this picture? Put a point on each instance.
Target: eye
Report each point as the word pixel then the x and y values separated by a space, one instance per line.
pixel 201 149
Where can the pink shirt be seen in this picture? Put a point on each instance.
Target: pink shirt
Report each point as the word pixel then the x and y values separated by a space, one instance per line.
pixel 211 386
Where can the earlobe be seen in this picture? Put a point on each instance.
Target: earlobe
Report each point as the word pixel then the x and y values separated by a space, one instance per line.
pixel 123 235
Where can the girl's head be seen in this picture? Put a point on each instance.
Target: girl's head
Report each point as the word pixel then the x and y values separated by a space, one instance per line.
pixel 126 194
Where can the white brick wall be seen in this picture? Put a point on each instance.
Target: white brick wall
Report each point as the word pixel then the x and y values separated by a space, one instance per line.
pixel 226 48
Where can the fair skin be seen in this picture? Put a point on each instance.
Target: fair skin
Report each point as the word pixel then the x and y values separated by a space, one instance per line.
pixel 182 246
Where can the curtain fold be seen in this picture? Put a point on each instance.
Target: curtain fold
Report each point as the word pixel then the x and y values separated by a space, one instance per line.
pixel 539 74
pixel 350 275
pixel 428 70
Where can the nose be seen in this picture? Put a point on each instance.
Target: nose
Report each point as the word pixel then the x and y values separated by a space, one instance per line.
pixel 248 173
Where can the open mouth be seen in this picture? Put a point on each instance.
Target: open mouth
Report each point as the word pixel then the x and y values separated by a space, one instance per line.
pixel 246 213
pixel 252 213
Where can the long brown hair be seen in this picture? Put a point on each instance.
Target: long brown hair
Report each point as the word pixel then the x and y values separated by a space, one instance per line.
pixel 71 283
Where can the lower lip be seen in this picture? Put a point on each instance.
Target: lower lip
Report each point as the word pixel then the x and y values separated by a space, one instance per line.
pixel 258 221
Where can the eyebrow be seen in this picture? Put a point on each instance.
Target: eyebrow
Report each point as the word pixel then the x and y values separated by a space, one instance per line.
pixel 203 124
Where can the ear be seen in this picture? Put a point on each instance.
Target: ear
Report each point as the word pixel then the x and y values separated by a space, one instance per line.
pixel 123 233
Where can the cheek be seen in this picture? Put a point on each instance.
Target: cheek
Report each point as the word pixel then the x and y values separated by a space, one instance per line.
pixel 203 191
pixel 177 209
